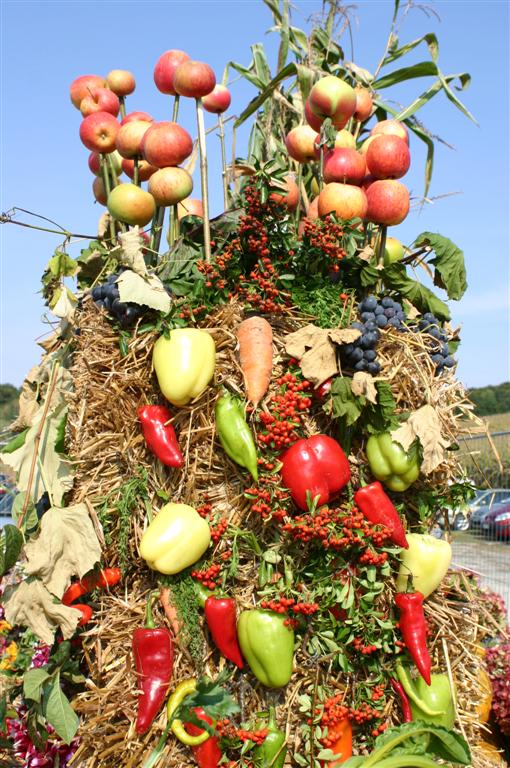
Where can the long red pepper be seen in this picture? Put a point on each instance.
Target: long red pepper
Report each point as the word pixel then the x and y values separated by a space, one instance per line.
pixel 414 630
pixel 377 507
pixel 154 659
pixel 220 614
pixel 407 714
pixel 106 577
pixel 159 435
pixel 208 754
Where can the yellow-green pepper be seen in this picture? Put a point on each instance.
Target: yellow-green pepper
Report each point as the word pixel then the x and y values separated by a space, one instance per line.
pixel 425 561
pixel 184 364
pixel 396 468
pixel 432 703
pixel 175 539
pixel 267 645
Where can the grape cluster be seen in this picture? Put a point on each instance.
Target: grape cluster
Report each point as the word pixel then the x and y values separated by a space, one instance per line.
pixel 107 296
pixel 441 357
pixel 374 314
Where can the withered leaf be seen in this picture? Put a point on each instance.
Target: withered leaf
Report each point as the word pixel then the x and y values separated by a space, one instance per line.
pixel 131 253
pixel 67 545
pixel 425 425
pixel 367 253
pixel 363 384
pixel 315 349
pixel 30 604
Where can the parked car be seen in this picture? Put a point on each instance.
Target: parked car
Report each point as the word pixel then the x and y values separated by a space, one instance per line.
pixel 496 523
pixel 484 503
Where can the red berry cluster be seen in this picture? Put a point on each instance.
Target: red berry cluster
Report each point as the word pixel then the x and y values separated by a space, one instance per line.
pixel 258 737
pixel 187 313
pixel 205 510
pixel 285 604
pixel 269 500
pixel 218 530
pixel 360 646
pixel 364 714
pixel 335 717
pixel 286 408
pixel 326 237
pixel 260 290
pixel 378 692
pixel 208 577
pixel 227 730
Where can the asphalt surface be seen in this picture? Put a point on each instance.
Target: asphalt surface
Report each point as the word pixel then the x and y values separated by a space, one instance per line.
pixel 489 559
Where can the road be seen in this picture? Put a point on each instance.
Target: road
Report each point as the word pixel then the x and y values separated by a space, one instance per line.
pixel 489 559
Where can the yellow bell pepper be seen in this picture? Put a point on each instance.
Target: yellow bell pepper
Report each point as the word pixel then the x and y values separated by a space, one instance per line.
pixel 426 561
pixel 184 364
pixel 175 539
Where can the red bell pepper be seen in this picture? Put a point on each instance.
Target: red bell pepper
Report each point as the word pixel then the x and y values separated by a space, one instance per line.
pixel 377 508
pixel 154 658
pixel 160 435
pixel 414 630
pixel 407 714
pixel 316 468
pixel 220 614
pixel 208 754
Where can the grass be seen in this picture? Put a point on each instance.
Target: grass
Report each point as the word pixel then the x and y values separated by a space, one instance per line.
pixel 499 422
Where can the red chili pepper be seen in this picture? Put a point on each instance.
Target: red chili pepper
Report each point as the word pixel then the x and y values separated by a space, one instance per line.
pixel 220 614
pixel 377 507
pixel 407 714
pixel 208 754
pixel 86 613
pixel 159 435
pixel 316 467
pixel 414 630
pixel 106 577
pixel 154 658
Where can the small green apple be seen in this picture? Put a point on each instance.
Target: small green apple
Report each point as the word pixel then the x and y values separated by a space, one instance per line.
pixel 394 251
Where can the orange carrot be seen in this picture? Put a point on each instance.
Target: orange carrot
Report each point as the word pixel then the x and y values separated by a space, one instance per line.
pixel 170 611
pixel 256 353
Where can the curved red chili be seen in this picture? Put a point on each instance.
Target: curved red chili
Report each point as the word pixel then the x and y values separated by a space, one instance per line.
pixel 160 435
pixel 414 630
pixel 377 508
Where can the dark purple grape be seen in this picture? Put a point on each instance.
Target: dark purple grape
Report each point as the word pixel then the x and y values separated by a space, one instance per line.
pixel 356 355
pixel 379 310
pixel 358 326
pixel 382 321
pixel 367 316
pixel 368 304
pixel 389 312
pixel 429 318
pixel 370 325
pixel 361 365
pixel 369 340
pixel 370 355
pixel 437 359
pixel 387 302
pixel 97 292
pixel 373 367
pixel 395 322
pixel 449 361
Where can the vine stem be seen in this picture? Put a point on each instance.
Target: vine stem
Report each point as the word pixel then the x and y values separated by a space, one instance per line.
pixel 160 217
pixel 37 440
pixel 175 113
pixel 106 181
pixel 223 161
pixel 136 174
pixel 122 102
pixel 4 219
pixel 203 178
pixel 383 232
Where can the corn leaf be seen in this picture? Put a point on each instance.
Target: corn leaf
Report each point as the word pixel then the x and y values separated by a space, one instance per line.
pixel 428 38
pixel 422 69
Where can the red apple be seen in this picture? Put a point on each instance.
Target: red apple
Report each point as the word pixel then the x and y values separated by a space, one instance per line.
pixel 165 69
pixel 313 209
pixel 169 186
pixel 300 143
pixel 218 100
pixel 129 203
pixel 194 79
pixel 392 128
pixel 145 169
pixel 80 87
pixel 95 165
pixel 121 82
pixel 166 144
pixel 388 157
pixel 343 139
pixel 137 116
pixel 344 200
pixel 190 207
pixel 332 97
pixel 345 165
pixel 289 200
pixel 100 100
pixel 99 190
pixel 129 138
pixel 312 120
pixel 98 132
pixel 364 104
pixel 388 202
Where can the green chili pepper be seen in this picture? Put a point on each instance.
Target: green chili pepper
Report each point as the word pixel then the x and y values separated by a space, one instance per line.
pixel 432 703
pixel 272 751
pixel 395 468
pixel 267 645
pixel 235 434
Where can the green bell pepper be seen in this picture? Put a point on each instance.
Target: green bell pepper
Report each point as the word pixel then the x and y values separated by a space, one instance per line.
pixel 235 434
pixel 267 645
pixel 272 751
pixel 391 464
pixel 432 703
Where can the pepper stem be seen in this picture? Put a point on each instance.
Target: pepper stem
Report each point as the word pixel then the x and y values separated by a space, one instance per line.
pixel 149 616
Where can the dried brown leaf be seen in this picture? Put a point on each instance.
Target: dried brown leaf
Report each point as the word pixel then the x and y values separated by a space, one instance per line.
pixel 315 349
pixel 367 254
pixel 363 384
pixel 30 604
pixel 67 545
pixel 425 425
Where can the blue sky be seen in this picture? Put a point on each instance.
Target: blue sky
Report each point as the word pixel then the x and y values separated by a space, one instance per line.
pixel 44 169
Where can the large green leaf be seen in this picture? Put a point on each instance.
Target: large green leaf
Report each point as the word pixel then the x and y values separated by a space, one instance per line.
pixel 422 69
pixel 448 262
pixel 11 541
pixel 33 681
pixel 421 297
pixel 260 63
pixel 289 70
pixel 428 38
pixel 59 713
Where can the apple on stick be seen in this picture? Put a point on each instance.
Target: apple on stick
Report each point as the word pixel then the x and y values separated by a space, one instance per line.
pixel 344 200
pixel 137 116
pixel 364 104
pixel 131 204
pixel 169 186
pixel 290 198
pixel 165 144
pixel 165 69
pixel 388 202
pixel 217 102
pixel 388 157
pixel 391 128
pixel 100 100
pixel 145 169
pixel 95 163
pixel 344 164
pixel 300 143
pixel 121 82
pixel 190 207
pixel 81 85
pixel 98 132
pixel 129 138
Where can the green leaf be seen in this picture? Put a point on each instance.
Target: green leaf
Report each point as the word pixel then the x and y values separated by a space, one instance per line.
pixel 448 262
pixel 30 520
pixel 62 265
pixel 266 91
pixel 381 416
pixel 407 739
pixel 59 713
pixel 33 681
pixel 369 276
pixel 16 442
pixel 11 541
pixel 428 38
pixel 60 436
pixel 260 63
pixel 209 694
pixel 422 69
pixel 345 405
pixel 419 102
pixel 395 277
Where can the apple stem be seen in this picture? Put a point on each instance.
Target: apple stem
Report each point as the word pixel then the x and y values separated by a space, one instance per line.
pixel 122 102
pixel 223 162
pixel 113 175
pixel 203 178
pixel 175 114
pixel 136 175
pixel 173 227
pixel 106 181
pixel 156 228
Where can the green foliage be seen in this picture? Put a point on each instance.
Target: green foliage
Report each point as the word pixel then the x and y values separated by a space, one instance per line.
pixel 11 541
pixel 450 269
pixel 395 277
pixel 491 399
pixel 8 404
pixel 184 597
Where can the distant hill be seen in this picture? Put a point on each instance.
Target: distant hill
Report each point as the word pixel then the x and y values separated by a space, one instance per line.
pixel 8 404
pixel 491 399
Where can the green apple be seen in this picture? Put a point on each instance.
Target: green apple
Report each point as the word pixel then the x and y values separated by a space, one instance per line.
pixel 394 251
